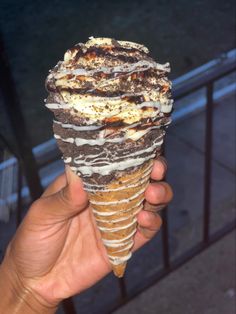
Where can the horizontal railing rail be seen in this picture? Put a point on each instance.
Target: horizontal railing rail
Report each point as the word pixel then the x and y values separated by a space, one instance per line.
pixel 227 66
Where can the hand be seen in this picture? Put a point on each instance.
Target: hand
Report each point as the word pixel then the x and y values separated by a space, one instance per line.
pixel 57 250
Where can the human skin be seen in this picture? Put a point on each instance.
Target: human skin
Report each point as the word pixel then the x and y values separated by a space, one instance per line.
pixel 57 250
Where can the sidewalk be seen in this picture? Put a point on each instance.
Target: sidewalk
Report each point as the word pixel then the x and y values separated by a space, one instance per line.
pixel 205 285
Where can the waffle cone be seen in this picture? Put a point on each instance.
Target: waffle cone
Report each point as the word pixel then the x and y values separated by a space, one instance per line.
pixel 115 208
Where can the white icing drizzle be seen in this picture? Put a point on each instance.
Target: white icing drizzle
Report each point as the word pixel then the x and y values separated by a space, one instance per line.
pixel 77 128
pixel 110 213
pixel 105 214
pixel 155 104
pixel 54 106
pixel 94 158
pixel 107 169
pixel 127 247
pixel 114 220
pixel 124 68
pixel 119 259
pixel 102 140
pixel 116 102
pixel 81 141
pixel 118 241
pixel 140 182
pixel 90 127
pixel 100 41
pixel 118 107
pixel 114 229
pixel 88 186
pixel 127 200
pixel 120 245
pixel 107 166
pixel 67 160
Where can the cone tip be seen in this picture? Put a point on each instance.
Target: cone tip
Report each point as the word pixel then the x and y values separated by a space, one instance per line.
pixel 119 269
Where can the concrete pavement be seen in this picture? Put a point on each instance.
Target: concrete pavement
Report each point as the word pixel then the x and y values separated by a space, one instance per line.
pixel 205 285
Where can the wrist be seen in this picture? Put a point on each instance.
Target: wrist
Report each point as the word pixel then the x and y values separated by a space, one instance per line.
pixel 18 297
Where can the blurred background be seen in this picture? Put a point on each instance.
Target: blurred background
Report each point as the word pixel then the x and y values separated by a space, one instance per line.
pixel 190 266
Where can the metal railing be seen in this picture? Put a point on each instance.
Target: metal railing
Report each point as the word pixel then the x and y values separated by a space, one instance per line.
pixel 30 168
pixel 206 80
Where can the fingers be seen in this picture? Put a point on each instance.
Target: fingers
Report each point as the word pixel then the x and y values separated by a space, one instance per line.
pixel 159 168
pixel 55 186
pixel 159 193
pixel 65 202
pixel 148 225
pixel 157 196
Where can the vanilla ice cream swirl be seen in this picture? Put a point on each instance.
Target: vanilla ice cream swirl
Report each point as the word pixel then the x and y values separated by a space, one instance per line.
pixel 106 81
pixel 111 103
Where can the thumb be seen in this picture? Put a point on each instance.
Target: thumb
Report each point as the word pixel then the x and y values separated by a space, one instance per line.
pixel 65 203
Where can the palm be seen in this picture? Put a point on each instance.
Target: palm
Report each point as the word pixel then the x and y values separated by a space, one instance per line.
pixel 73 249
pixel 82 260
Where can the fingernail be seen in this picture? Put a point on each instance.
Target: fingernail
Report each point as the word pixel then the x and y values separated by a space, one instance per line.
pixel 71 176
pixel 163 160
pixel 161 190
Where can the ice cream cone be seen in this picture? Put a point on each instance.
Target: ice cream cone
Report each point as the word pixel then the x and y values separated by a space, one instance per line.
pixel 115 208
pixel 111 103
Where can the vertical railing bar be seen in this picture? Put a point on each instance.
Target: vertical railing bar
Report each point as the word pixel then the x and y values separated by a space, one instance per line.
pixel 10 149
pixel 68 306
pixel 19 196
pixel 19 179
pixel 165 232
pixel 165 239
pixel 16 118
pixel 123 288
pixel 208 162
